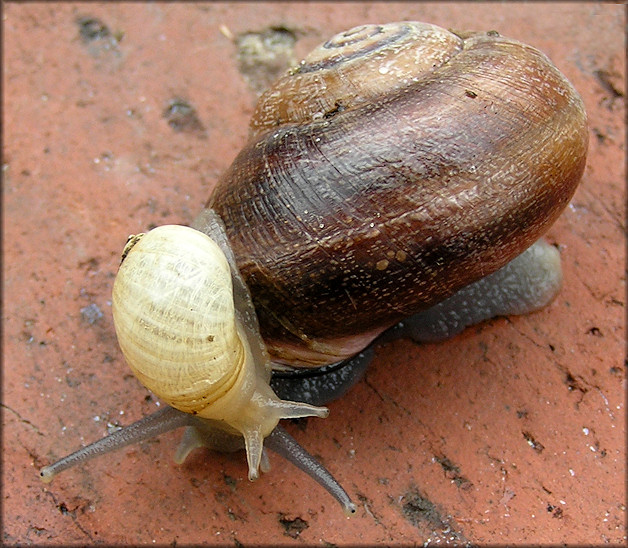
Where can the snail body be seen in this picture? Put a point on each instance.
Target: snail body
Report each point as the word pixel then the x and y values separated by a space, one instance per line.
pixel 361 208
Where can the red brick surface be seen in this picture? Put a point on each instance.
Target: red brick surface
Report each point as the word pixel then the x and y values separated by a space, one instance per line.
pixel 512 432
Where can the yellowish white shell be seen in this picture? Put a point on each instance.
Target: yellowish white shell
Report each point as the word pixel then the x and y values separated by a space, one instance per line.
pixel 174 317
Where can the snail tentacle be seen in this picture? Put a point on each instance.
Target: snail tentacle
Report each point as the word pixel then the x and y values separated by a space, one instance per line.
pixel 161 421
pixel 286 446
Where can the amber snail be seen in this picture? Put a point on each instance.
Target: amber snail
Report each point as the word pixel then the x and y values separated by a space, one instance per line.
pixel 395 184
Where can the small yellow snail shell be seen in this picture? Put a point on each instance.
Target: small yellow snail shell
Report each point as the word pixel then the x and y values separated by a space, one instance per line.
pixel 159 300
pixel 173 311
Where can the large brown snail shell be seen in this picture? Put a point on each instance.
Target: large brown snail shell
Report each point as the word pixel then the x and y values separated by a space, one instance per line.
pixel 358 204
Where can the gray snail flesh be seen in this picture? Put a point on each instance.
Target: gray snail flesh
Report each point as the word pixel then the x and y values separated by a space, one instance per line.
pixel 404 207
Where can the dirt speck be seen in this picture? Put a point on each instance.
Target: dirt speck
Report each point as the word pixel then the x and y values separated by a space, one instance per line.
pixel 574 384
pixel 610 82
pixel 91 313
pixel 182 117
pixel 97 36
pixel 428 518
pixel 92 28
pixel 532 442
pixel 556 511
pixel 264 56
pixel 452 471
pixel 292 527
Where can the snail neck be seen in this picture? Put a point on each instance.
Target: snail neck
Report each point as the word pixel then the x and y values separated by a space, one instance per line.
pixel 251 408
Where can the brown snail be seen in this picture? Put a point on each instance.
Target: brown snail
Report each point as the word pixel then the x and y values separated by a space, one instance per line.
pixel 395 183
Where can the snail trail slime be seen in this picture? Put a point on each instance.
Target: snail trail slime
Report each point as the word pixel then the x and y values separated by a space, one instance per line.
pixel 396 183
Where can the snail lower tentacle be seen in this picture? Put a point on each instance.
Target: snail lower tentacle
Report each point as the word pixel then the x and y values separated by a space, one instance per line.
pixel 285 445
